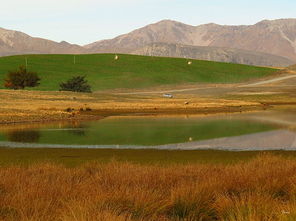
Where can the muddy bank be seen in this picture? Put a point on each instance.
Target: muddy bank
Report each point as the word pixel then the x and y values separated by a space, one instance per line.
pixel 17 116
pixel 43 117
pixel 177 110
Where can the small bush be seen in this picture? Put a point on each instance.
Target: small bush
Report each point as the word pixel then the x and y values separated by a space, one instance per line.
pixel 69 109
pixel 21 78
pixel 76 84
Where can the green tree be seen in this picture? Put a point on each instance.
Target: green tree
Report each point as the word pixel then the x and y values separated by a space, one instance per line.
pixel 21 78
pixel 76 84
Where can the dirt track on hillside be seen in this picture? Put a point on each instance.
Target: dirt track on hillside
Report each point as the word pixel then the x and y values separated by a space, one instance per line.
pixel 257 83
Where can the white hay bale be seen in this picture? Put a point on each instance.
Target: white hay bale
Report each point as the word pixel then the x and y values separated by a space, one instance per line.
pixel 116 57
pixel 189 62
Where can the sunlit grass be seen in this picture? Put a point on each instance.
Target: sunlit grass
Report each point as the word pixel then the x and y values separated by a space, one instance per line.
pixel 261 189
pixel 130 71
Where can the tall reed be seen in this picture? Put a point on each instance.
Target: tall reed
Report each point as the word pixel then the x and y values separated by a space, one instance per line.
pixel 262 189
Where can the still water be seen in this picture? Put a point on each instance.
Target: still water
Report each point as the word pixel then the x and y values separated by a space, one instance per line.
pixel 256 131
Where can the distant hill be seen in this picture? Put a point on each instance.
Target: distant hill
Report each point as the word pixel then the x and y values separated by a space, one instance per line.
pixel 229 55
pixel 277 37
pixel 14 42
pixel 130 71
pixel 267 43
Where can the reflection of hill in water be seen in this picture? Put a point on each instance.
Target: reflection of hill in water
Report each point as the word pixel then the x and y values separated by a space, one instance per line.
pixel 271 140
pixel 24 136
pixel 142 131
pixel 265 130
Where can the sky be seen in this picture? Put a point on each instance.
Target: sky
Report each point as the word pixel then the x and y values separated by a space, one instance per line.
pixel 85 21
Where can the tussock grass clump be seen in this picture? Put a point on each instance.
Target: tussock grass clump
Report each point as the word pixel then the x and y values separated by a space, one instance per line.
pixel 261 189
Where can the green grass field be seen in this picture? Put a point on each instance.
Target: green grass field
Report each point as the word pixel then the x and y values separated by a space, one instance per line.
pixel 130 71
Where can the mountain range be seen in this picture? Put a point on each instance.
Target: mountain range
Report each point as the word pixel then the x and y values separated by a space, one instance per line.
pixel 221 54
pixel 267 43
pixel 15 42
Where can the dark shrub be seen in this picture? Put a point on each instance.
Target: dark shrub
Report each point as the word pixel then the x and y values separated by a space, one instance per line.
pixel 76 84
pixel 21 78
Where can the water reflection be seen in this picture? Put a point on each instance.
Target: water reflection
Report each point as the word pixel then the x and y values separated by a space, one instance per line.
pixel 24 136
pixel 78 129
pixel 236 131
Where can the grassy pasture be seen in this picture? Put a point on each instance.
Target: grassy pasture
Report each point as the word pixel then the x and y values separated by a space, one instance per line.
pixel 130 71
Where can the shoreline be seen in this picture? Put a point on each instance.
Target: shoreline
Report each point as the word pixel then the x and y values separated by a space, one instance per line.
pixel 20 107
pixel 97 114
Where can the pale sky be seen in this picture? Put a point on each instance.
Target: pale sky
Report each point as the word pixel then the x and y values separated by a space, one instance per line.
pixel 86 21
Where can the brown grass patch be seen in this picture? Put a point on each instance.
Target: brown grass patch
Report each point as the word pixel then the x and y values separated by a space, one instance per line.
pixel 263 189
pixel 40 106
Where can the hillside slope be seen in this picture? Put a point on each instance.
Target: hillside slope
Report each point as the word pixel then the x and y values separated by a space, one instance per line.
pixel 229 55
pixel 14 42
pixel 277 37
pixel 130 71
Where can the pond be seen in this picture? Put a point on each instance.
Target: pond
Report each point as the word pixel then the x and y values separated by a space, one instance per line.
pixel 252 131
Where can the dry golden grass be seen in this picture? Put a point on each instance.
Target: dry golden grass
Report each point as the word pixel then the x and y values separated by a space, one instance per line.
pixel 263 189
pixel 28 106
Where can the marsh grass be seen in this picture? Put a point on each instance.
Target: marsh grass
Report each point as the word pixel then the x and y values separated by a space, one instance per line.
pixel 261 189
